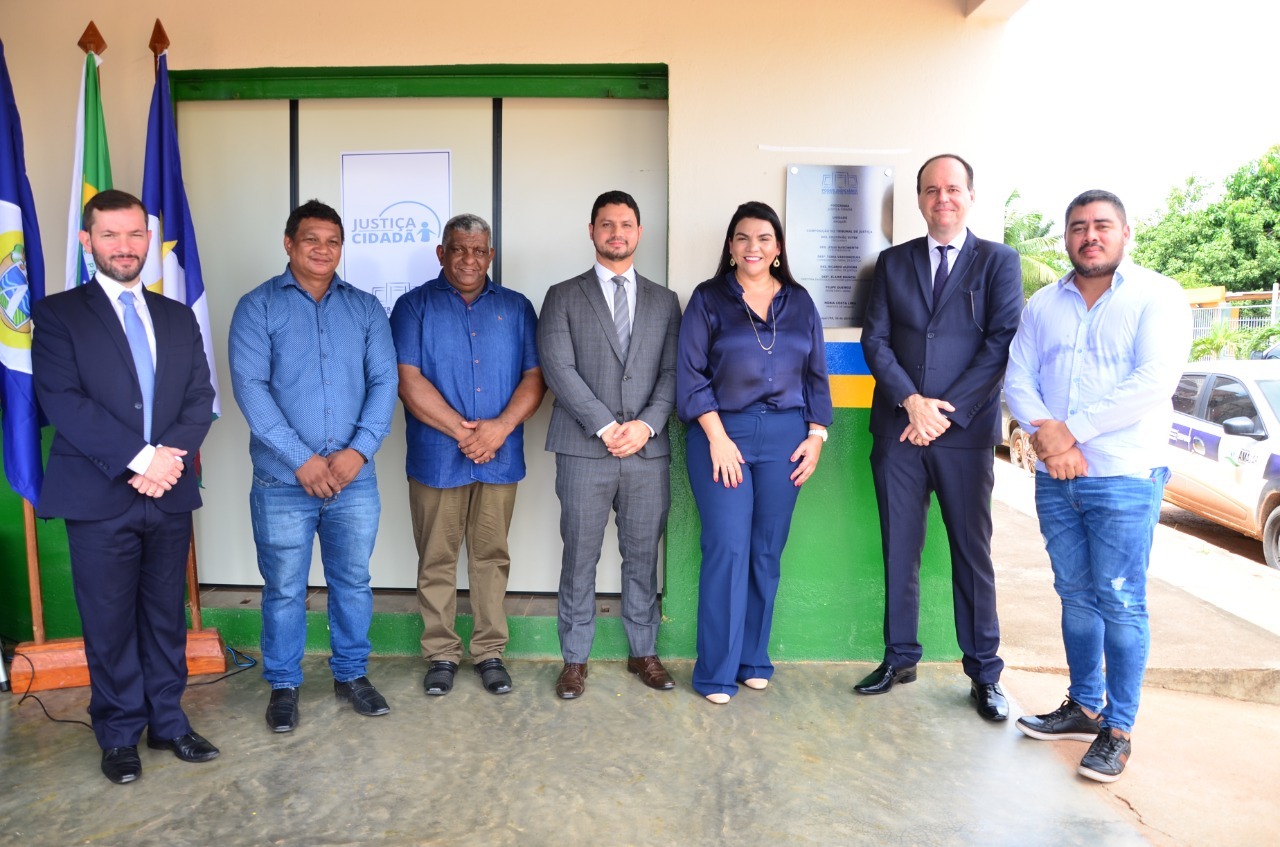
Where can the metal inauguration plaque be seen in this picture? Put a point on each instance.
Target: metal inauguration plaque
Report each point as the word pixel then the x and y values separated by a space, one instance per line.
pixel 839 218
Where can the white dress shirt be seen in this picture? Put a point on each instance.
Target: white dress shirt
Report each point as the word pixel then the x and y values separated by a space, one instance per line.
pixel 1108 372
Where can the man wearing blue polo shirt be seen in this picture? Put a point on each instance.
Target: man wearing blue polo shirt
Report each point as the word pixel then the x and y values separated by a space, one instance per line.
pixel 469 379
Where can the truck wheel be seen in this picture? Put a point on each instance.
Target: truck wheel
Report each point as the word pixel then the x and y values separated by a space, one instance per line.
pixel 1020 450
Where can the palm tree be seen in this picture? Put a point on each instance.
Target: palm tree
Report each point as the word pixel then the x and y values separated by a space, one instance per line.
pixel 1043 261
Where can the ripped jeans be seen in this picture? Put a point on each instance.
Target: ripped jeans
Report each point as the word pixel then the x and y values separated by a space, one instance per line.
pixel 1098 532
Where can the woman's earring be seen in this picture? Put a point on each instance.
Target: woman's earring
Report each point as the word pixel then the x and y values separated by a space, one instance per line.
pixel 733 263
pixel 777 262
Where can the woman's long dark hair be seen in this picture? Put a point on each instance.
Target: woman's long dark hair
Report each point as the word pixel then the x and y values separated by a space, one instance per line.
pixel 758 211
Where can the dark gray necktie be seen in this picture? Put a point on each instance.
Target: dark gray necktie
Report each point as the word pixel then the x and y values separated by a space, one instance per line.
pixel 940 278
pixel 621 313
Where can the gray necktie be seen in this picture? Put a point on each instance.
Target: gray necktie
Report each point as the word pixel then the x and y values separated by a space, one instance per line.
pixel 137 335
pixel 940 278
pixel 621 313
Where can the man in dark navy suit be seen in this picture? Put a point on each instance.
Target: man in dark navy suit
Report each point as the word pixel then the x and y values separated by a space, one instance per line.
pixel 122 375
pixel 942 312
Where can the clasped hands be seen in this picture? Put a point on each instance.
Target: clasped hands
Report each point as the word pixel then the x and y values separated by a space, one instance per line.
pixel 325 476
pixel 1056 447
pixel 625 439
pixel 926 421
pixel 162 474
pixel 480 440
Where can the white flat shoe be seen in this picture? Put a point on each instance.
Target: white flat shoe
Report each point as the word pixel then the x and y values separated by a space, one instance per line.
pixel 719 698
pixel 756 683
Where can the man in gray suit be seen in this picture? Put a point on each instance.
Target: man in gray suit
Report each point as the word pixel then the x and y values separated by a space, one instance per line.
pixel 607 344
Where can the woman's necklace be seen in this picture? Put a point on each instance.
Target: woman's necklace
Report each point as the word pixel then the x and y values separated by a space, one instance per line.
pixel 773 325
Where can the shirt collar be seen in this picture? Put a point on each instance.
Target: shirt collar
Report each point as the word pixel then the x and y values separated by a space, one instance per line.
pixel 1124 269
pixel 442 283
pixel 287 278
pixel 113 289
pixel 957 242
pixel 604 275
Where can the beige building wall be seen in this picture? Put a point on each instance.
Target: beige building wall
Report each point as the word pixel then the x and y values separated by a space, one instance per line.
pixel 754 85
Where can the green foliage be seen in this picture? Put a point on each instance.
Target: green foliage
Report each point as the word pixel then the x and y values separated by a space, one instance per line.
pixel 1043 261
pixel 1220 338
pixel 1233 241
pixel 1256 340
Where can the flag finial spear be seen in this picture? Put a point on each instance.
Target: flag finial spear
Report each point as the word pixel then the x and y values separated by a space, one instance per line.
pixel 92 40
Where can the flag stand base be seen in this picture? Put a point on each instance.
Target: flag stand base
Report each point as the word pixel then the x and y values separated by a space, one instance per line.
pixel 61 663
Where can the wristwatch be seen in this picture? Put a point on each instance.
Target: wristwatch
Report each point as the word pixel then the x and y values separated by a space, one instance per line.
pixel 821 433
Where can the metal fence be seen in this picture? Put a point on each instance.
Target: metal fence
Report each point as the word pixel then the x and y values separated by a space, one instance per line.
pixel 1234 316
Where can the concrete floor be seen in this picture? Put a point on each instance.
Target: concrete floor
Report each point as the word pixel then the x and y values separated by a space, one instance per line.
pixel 805 762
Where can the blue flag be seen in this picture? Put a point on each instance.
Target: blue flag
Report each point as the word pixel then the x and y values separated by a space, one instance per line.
pixel 21 284
pixel 173 262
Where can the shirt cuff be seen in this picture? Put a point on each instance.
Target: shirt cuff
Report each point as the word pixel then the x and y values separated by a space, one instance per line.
pixel 1080 428
pixel 142 461
pixel 602 430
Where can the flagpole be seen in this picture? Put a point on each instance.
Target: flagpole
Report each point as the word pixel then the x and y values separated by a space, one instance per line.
pixel 91 41
pixel 158 44
pixel 33 571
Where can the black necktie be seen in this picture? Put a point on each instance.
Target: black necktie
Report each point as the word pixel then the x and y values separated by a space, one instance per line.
pixel 940 278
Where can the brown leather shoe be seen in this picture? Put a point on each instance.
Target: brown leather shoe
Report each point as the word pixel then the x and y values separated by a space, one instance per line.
pixel 572 681
pixel 651 672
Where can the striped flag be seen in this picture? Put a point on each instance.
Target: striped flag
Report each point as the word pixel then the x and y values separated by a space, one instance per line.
pixel 91 171
pixel 21 284
pixel 173 262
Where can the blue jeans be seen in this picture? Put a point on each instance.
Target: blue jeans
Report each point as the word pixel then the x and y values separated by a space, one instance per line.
pixel 286 521
pixel 1098 533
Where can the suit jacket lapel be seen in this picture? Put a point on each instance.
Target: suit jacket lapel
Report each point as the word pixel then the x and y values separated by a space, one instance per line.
pixel 160 326
pixel 101 306
pixel 920 258
pixel 960 270
pixel 590 286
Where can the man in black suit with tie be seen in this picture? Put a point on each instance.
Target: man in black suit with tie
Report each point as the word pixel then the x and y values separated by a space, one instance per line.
pixel 942 312
pixel 121 374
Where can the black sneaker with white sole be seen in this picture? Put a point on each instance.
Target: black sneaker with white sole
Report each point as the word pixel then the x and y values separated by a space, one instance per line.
pixel 1068 722
pixel 1107 756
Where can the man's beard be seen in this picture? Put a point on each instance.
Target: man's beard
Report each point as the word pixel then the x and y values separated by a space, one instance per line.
pixel 1094 271
pixel 106 268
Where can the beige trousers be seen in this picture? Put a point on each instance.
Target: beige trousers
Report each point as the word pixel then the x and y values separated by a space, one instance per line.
pixel 480 514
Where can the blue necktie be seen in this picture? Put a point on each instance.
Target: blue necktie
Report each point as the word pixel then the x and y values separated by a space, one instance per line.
pixel 940 278
pixel 137 335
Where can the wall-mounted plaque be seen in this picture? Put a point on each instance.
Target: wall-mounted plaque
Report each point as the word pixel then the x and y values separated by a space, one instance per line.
pixel 839 218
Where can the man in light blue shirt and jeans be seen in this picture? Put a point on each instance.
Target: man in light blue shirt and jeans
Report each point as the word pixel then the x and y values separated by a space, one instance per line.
pixel 314 372
pixel 1091 372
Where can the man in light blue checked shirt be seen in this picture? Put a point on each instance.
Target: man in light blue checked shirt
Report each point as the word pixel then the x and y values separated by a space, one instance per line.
pixel 1092 370
pixel 313 368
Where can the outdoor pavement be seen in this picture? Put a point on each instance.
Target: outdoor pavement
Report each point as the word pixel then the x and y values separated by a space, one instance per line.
pixel 805 762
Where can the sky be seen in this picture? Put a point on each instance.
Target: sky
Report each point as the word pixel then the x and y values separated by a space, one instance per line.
pixel 1134 96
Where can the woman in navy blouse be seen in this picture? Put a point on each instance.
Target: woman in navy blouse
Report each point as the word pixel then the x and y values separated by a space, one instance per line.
pixel 751 382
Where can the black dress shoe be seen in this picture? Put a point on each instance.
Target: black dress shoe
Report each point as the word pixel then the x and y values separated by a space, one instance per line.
pixel 191 747
pixel 282 711
pixel 885 677
pixel 990 702
pixel 439 678
pixel 494 676
pixel 364 698
pixel 121 764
